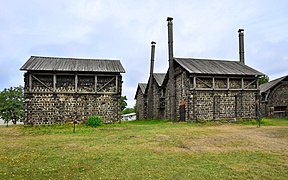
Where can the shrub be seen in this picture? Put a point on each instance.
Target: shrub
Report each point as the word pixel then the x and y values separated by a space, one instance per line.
pixel 94 121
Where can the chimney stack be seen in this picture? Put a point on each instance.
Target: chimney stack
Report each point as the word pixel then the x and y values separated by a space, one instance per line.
pixel 152 58
pixel 241 46
pixel 172 91
pixel 150 85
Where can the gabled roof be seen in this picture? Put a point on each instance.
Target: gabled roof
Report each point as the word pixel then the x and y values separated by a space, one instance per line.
pixel 159 77
pixel 217 67
pixel 38 63
pixel 265 87
pixel 141 87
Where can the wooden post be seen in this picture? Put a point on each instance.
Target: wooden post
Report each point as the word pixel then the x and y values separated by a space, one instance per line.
pixel 30 83
pixel 116 84
pixel 95 83
pixel 54 82
pixel 228 83
pixel 76 82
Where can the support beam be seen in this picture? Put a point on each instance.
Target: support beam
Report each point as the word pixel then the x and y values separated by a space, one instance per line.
pixel 30 82
pixel 228 83
pixel 95 83
pixel 54 82
pixel 76 82
pixel 117 85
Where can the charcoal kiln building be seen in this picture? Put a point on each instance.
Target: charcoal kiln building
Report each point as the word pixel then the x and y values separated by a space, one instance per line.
pixel 59 90
pixel 150 99
pixel 206 89
pixel 141 101
pixel 274 98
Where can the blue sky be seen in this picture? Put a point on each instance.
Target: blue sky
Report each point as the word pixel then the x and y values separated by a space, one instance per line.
pixel 123 29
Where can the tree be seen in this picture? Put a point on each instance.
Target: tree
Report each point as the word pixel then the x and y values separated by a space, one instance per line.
pixel 11 104
pixel 264 79
pixel 123 102
pixel 128 110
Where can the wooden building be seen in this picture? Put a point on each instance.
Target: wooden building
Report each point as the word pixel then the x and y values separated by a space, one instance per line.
pixel 274 98
pixel 59 90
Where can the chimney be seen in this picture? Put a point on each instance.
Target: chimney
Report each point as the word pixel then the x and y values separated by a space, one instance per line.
pixel 152 58
pixel 171 85
pixel 150 99
pixel 241 46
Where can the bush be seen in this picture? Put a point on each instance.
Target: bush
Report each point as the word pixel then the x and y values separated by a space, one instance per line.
pixel 94 121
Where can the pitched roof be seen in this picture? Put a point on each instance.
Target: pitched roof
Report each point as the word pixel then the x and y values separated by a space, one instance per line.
pixel 265 87
pixel 207 66
pixel 142 86
pixel 159 77
pixel 72 64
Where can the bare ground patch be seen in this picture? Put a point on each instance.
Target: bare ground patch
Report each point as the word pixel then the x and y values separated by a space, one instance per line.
pixel 225 138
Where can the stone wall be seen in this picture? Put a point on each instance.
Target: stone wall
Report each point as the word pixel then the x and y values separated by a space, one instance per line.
pixel 141 105
pixel 45 104
pixel 202 102
pixel 277 102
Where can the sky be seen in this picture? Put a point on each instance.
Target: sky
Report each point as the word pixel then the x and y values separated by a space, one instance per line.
pixel 124 29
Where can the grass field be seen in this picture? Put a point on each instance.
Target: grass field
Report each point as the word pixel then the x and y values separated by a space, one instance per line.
pixel 146 150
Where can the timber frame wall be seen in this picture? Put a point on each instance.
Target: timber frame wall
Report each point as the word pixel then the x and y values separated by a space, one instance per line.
pixel 60 97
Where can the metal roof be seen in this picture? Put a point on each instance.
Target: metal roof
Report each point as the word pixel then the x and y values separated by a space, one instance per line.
pixel 217 67
pixel 265 87
pixel 159 77
pixel 38 63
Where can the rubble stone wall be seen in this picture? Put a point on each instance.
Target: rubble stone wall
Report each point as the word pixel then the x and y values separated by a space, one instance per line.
pixel 45 106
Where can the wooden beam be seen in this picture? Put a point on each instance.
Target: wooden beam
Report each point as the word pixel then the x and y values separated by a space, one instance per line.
pixel 30 82
pixel 76 82
pixel 54 82
pixel 106 83
pixel 95 83
pixel 194 82
pixel 116 90
pixel 41 82
pixel 228 83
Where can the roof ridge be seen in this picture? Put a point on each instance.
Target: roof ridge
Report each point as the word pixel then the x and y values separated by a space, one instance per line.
pixel 207 59
pixel 74 58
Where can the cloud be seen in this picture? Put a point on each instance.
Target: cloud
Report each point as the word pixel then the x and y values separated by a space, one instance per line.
pixel 124 29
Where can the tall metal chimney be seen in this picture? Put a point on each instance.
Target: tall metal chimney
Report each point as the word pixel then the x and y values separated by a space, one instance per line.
pixel 152 58
pixel 150 85
pixel 241 46
pixel 172 92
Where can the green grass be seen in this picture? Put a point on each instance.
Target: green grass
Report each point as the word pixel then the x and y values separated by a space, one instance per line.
pixel 145 150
